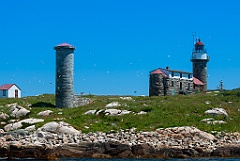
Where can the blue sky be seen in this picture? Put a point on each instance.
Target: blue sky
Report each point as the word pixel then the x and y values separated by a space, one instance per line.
pixel 117 42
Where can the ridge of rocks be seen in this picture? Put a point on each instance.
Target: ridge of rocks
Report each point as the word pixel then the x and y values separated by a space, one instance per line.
pixel 60 139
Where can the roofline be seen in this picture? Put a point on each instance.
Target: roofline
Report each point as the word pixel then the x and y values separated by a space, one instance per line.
pixel 10 87
pixel 178 71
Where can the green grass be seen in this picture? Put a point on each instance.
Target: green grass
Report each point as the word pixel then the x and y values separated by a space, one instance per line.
pixel 162 112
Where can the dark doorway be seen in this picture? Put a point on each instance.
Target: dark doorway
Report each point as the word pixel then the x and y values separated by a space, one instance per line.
pixel 16 93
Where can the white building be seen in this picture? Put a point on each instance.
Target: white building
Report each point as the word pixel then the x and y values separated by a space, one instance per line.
pixel 10 91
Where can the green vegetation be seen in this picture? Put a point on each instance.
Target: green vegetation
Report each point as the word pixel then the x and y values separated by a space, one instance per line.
pixel 162 112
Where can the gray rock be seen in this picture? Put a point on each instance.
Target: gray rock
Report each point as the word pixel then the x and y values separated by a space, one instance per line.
pixel 126 98
pixel 31 121
pixel 60 127
pixel 214 122
pixel 18 111
pixel 13 126
pixel 112 112
pixel 113 104
pixel 1 131
pixel 22 112
pixel 67 129
pixel 17 125
pixel 207 102
pixel 124 112
pixel 45 113
pixel 92 112
pixel 142 113
pixel 50 127
pixel 12 105
pixel 207 119
pixel 30 128
pixel 4 116
pixel 216 111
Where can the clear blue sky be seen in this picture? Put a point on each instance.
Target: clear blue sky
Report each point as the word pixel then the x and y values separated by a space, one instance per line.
pixel 117 42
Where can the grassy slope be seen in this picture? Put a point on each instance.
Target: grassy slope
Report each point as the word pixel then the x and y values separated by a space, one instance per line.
pixel 163 112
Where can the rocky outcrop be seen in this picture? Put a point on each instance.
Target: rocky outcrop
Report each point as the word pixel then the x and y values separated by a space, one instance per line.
pixel 59 139
pixel 216 112
pixel 54 140
pixel 17 111
pixel 113 112
pixel 19 124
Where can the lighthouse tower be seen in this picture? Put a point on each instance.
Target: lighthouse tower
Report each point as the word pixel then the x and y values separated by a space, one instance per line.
pixel 64 75
pixel 199 61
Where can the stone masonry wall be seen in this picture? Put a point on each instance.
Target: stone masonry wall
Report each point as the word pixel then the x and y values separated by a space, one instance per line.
pixel 160 86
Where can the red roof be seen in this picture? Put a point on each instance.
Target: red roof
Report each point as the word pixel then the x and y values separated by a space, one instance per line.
pixel 158 71
pixel 64 44
pixel 6 86
pixel 197 81
pixel 199 42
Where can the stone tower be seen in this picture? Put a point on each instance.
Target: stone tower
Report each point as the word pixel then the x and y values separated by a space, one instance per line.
pixel 64 75
pixel 199 61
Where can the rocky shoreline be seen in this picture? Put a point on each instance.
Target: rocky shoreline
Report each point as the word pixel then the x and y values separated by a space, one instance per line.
pixel 59 140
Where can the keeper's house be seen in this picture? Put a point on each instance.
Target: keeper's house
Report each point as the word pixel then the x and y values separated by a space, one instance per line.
pixel 10 91
pixel 170 82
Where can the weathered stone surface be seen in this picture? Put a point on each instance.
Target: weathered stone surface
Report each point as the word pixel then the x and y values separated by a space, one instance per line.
pixel 4 116
pixel 142 113
pixel 109 112
pixel 31 121
pixel 49 142
pixel 60 127
pixel 113 104
pixel 112 112
pixel 17 111
pixel 30 128
pixel 126 98
pixel 216 111
pixel 17 125
pixel 92 112
pixel 50 127
pixel 12 126
pixel 228 151
pixel 45 113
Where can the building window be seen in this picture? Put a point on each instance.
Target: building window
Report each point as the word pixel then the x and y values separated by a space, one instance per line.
pixel 180 85
pixel 4 92
pixel 189 86
pixel 172 83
